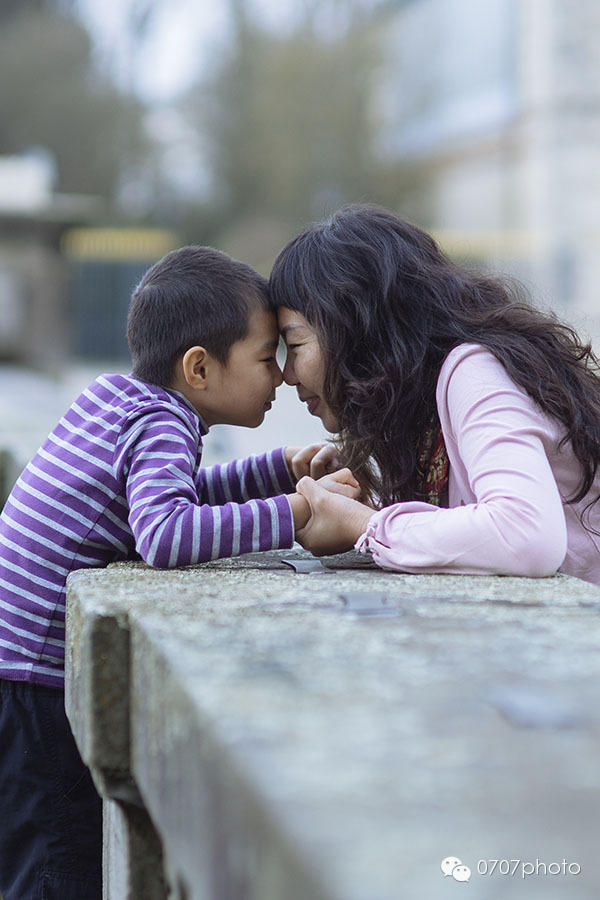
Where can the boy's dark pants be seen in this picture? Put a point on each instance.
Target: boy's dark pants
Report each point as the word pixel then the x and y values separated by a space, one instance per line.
pixel 50 813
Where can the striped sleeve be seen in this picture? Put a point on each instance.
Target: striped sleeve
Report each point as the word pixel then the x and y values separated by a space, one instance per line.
pixel 170 523
pixel 263 476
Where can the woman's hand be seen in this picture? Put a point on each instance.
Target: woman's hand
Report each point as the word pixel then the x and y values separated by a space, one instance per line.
pixel 336 520
pixel 342 482
pixel 331 483
pixel 315 460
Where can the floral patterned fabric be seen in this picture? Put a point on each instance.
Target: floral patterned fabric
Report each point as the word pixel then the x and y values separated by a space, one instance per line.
pixel 432 467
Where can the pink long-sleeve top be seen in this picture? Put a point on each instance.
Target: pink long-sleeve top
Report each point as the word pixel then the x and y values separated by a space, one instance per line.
pixel 508 483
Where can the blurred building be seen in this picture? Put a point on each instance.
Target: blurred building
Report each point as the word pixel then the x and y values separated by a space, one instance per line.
pixel 64 285
pixel 104 265
pixel 500 100
pixel 34 317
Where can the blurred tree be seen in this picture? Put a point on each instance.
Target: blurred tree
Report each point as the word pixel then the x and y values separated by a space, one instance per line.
pixel 52 95
pixel 287 118
pixel 9 8
pixel 289 124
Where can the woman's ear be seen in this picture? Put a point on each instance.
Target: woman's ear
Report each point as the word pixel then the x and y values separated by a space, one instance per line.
pixel 196 363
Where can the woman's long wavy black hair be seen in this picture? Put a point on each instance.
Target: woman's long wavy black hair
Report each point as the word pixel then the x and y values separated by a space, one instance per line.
pixel 388 306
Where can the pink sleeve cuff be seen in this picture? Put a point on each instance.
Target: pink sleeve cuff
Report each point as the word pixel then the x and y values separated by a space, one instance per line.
pixel 362 544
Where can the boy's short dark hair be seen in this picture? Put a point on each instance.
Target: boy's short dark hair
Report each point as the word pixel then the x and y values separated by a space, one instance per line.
pixel 192 296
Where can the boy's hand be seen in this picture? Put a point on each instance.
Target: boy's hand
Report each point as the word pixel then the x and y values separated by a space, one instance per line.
pixel 315 460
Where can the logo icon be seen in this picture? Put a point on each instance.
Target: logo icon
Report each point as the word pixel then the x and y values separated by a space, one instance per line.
pixel 452 865
pixel 461 873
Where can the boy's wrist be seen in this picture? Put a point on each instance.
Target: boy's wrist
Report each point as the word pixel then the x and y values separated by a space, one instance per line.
pixel 300 510
pixel 288 455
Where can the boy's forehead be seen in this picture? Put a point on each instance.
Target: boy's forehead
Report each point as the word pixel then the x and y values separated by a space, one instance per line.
pixel 263 325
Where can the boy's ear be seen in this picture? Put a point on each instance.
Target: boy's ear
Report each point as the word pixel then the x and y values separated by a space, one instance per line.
pixel 195 363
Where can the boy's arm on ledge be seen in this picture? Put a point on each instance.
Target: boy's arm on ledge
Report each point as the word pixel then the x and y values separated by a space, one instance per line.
pixel 266 475
pixel 170 523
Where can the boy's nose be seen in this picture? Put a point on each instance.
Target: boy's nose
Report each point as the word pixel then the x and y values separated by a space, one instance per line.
pixel 278 378
pixel 289 376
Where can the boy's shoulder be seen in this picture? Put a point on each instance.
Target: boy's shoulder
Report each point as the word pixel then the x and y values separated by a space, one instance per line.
pixel 125 398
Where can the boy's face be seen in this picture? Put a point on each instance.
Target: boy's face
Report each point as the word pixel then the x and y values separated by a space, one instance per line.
pixel 244 387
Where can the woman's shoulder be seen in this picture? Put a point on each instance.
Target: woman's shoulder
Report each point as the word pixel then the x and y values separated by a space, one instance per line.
pixel 467 361
pixel 474 383
pixel 471 376
pixel 477 353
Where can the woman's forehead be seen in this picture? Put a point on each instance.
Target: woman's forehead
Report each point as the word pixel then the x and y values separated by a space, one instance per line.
pixel 290 320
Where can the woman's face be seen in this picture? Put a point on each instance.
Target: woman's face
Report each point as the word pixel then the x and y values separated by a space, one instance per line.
pixel 305 364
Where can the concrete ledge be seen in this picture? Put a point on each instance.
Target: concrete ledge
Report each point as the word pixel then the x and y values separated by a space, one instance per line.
pixel 133 859
pixel 97 694
pixel 336 735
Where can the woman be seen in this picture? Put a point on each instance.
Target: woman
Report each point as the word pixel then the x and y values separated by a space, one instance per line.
pixel 471 419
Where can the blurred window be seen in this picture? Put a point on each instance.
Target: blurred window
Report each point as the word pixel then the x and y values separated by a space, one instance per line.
pixel 454 72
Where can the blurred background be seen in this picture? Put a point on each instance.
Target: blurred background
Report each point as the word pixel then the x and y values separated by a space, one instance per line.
pixel 129 127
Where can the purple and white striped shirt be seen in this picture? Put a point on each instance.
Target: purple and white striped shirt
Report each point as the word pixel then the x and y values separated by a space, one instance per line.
pixel 119 475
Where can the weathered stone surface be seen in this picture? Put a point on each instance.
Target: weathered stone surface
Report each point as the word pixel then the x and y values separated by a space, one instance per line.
pixel 97 688
pixel 292 744
pixel 132 859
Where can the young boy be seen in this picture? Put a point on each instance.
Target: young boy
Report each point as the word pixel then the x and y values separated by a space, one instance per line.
pixel 120 475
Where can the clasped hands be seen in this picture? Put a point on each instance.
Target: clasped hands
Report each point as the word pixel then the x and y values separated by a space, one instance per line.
pixel 328 508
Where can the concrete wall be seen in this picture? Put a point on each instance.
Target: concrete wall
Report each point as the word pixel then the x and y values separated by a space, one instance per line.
pixel 328 731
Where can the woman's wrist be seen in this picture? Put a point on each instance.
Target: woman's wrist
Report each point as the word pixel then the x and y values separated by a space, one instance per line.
pixel 358 520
